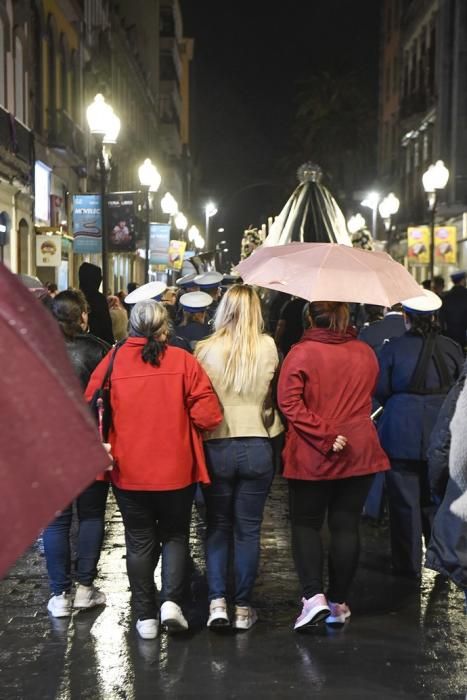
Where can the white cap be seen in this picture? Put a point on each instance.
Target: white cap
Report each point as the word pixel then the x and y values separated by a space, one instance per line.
pixel 195 301
pixel 208 280
pixel 151 290
pixel 427 303
pixel 187 280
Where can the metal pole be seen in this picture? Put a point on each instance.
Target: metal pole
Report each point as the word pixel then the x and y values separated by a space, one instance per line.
pixel 105 263
pixel 148 238
pixel 375 211
pixel 432 238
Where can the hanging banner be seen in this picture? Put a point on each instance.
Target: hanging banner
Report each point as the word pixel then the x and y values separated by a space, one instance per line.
pixel 418 245
pixel 121 221
pixel 48 251
pixel 159 244
pixel 446 245
pixel 176 253
pixel 87 223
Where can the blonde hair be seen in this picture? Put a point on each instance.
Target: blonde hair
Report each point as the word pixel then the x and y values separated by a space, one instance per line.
pixel 239 325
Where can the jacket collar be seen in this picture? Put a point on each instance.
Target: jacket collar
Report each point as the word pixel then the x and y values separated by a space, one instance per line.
pixel 325 335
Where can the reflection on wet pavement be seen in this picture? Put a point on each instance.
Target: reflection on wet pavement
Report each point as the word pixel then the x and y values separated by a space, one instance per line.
pixel 404 640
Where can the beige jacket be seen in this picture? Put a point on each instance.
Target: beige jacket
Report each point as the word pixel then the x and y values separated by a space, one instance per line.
pixel 251 414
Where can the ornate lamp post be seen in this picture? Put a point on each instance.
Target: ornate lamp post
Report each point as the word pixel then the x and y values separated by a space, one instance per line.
pixel 434 180
pixel 105 125
pixel 150 181
pixel 388 207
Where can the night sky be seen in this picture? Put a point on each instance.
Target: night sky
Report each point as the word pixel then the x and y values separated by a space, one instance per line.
pixel 250 58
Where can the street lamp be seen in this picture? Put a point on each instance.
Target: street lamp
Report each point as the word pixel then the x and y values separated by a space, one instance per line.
pixel 389 206
pixel 103 123
pixel 150 180
pixel 371 201
pixel 434 180
pixel 180 221
pixel 210 209
pixel 169 204
pixel 356 223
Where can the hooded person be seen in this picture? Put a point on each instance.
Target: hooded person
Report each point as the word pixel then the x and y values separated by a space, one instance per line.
pixel 100 321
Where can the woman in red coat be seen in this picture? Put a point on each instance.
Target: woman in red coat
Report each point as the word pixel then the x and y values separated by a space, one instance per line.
pixel 331 453
pixel 161 399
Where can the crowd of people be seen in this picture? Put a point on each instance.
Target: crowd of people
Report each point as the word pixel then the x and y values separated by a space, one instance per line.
pixel 203 386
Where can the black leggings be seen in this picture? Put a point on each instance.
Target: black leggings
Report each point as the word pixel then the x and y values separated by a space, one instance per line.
pixel 343 499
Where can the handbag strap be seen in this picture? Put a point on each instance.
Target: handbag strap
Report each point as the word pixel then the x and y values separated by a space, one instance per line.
pixel 106 380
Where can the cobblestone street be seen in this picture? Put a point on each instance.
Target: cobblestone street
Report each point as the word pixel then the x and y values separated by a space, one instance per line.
pixel 403 641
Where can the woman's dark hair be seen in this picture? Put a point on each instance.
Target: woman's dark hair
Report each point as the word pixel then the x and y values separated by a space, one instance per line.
pixel 423 324
pixel 334 315
pixel 67 308
pixel 149 320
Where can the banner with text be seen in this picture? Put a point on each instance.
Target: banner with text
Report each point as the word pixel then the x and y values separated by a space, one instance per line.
pixel 159 244
pixel 121 221
pixel 446 245
pixel 176 253
pixel 87 223
pixel 418 245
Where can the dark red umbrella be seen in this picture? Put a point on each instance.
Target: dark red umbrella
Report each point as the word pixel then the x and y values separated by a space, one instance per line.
pixel 49 446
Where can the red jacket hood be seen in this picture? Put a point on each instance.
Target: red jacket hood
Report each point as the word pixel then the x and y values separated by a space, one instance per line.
pixel 326 335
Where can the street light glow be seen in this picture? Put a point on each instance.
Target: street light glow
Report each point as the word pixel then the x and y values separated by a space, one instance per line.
pixel 149 175
pixel 193 233
pixel 356 223
pixel 436 177
pixel 389 206
pixel 371 200
pixel 113 129
pixel 180 220
pixel 210 210
pixel 99 115
pixel 169 204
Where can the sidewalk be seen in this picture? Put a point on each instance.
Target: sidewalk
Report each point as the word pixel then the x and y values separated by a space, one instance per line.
pixel 402 642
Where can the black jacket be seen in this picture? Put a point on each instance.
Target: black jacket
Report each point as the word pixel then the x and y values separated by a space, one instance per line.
pixel 100 321
pixel 453 315
pixel 85 353
pixel 446 551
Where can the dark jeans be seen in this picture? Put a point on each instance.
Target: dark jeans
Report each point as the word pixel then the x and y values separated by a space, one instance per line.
pixel 91 514
pixel 343 501
pixel 411 513
pixel 241 471
pixel 155 521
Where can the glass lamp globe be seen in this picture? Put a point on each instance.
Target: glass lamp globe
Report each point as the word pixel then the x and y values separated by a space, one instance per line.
pixel 149 175
pixel 98 115
pixel 169 204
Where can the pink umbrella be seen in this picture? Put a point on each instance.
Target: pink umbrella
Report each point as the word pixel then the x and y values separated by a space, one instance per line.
pixel 329 272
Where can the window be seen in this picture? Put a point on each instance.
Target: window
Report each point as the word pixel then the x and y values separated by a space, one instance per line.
pixel 2 64
pixel 19 81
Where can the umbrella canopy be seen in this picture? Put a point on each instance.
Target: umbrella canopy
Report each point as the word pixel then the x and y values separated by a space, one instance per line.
pixel 311 214
pixel 329 272
pixel 49 445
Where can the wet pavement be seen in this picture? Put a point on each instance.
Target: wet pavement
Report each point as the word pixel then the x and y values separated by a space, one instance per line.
pixel 403 641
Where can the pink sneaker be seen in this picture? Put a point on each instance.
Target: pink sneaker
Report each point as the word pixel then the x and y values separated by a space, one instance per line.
pixel 340 612
pixel 314 610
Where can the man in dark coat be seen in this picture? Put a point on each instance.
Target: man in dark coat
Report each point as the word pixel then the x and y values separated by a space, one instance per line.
pixel 100 321
pixel 453 314
pixel 446 552
pixel 391 326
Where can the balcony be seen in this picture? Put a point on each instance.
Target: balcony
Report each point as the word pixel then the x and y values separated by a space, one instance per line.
pixel 16 143
pixel 65 135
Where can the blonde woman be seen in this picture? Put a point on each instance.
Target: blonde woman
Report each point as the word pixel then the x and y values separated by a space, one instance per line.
pixel 241 362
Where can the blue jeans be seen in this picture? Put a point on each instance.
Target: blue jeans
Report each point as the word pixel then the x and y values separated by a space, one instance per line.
pixel 241 471
pixel 91 514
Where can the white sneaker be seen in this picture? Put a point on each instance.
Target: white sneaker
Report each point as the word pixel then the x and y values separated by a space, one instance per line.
pixel 88 597
pixel 218 616
pixel 172 617
pixel 245 617
pixel 60 605
pixel 147 629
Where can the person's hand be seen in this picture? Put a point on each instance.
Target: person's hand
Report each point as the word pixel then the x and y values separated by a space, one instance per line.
pixel 339 443
pixel 107 446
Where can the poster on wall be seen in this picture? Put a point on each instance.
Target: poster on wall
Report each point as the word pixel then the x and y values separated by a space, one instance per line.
pixel 176 253
pixel 87 223
pixel 446 245
pixel 121 221
pixel 159 244
pixel 48 251
pixel 418 245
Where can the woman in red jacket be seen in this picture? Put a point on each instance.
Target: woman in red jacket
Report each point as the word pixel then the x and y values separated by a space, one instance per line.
pixel 161 399
pixel 331 453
